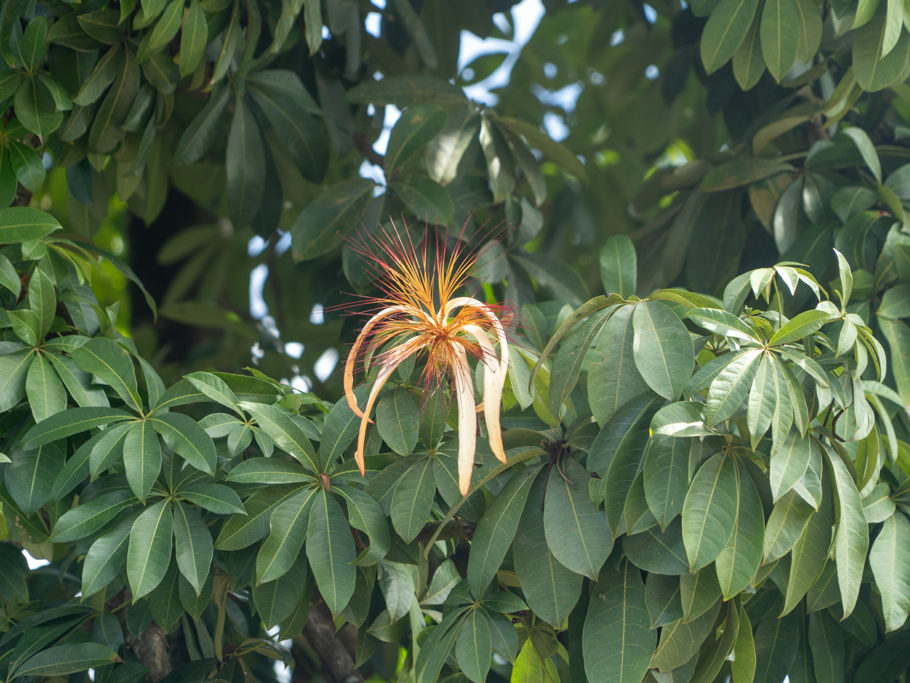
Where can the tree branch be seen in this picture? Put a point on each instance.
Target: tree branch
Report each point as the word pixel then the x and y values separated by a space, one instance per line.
pixel 151 650
pixel 337 661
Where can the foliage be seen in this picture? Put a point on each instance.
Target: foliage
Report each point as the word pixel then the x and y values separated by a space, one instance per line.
pixel 707 465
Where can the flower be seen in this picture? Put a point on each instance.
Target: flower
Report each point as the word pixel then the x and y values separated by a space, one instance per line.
pixel 420 314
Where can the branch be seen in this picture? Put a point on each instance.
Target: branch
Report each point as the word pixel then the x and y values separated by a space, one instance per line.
pixel 151 650
pixel 457 528
pixel 338 664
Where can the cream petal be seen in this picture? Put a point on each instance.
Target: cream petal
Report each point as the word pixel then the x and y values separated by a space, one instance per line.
pixel 494 321
pixel 396 357
pixel 467 419
pixel 494 380
pixel 355 349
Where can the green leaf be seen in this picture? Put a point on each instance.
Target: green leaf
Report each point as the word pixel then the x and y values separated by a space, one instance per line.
pixel 287 434
pixel 742 172
pixel 618 266
pixel 276 600
pixel 729 388
pixel 61 660
pixel 779 36
pixel 108 448
pixel 27 165
pixel 101 24
pixel 244 529
pixel 396 419
pixel 662 348
pixel 412 132
pixel 851 540
pixel 70 422
pixel 105 557
pixel 889 560
pixel 215 388
pixel 895 302
pixel 141 457
pixel 9 278
pixel 875 71
pixel 215 498
pixel 13 369
pixel 31 475
pixel 330 550
pixel 21 224
pixel 617 640
pixel 789 460
pixel 896 333
pixel 447 149
pixel 550 589
pixel 680 419
pixel 193 39
pixel 245 165
pixel 785 525
pixel 268 471
pixel 799 327
pixel 89 518
pixel 809 555
pixel 287 530
pixel 34 44
pixel 366 514
pixel 204 129
pixel 36 108
pixel 613 378
pixel 577 532
pixel 325 221
pixel 496 530
pixel 288 107
pixel 412 499
pixel 776 642
pixel 106 360
pixel 739 560
pixel 680 639
pixel 666 476
pixel 149 551
pixel 709 511
pixel 406 91
pixel 426 199
pixel 748 63
pixel 186 438
pixel 106 129
pixel 569 360
pixel 718 321
pixel 537 139
pixel 164 31
pixel 193 544
pixel 45 392
pixel 726 28
pixel 474 645
pixel 864 146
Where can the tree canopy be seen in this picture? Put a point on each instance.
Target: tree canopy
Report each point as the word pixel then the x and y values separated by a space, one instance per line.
pixel 684 320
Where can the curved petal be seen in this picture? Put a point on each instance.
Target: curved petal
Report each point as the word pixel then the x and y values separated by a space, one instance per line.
pixel 396 357
pixel 494 380
pixel 467 418
pixel 494 321
pixel 355 349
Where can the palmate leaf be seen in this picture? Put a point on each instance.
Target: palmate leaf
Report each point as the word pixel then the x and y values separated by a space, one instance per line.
pixel 731 385
pixel 287 530
pixel 330 550
pixel 709 511
pixel 738 561
pixel 889 560
pixel 662 348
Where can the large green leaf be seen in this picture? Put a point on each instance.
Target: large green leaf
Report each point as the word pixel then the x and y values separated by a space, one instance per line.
pixel 204 129
pixel 660 552
pixel 273 470
pixel 396 419
pixel 105 557
pixel 44 390
pixel 330 550
pixel 577 533
pixel 287 434
pixel 244 165
pixel 550 589
pixel 737 563
pixel 617 639
pixel 789 460
pixel 186 438
pixel 496 530
pixel 324 222
pixel 730 386
pixel 149 553
pixel 679 640
pixel 851 539
pixel 474 646
pixel 613 378
pixel 570 358
pixel 244 529
pixel 29 478
pixel 776 643
pixel 785 525
pixel 414 129
pixel 193 545
pixel 779 36
pixel 666 476
pixel 709 511
pixel 809 555
pixel 287 530
pixel 89 518
pixel 889 560
pixel 662 348
pixel 61 660
pixel 726 28
pixel 875 71
pixel 107 361
pixel 20 223
pixel 412 499
pixel 141 457
pixel 13 373
pixel 618 267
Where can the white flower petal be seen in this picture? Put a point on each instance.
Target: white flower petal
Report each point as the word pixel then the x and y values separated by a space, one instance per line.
pixel 467 419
